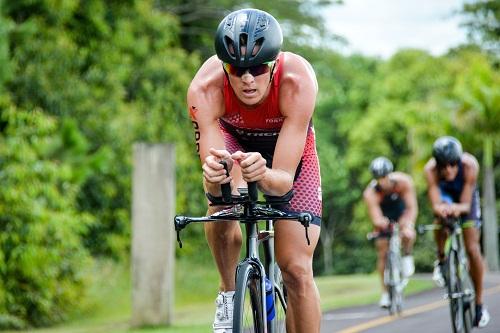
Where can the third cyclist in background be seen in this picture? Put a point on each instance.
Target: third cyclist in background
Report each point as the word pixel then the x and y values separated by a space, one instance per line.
pixel 451 178
pixel 391 196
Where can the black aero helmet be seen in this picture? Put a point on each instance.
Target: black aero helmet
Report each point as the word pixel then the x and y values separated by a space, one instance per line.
pixel 253 28
pixel 447 150
pixel 381 167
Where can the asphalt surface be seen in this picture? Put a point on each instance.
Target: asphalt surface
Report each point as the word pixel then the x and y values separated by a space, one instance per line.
pixel 427 312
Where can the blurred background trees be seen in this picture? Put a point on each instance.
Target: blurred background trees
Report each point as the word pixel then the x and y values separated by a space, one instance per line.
pixel 81 81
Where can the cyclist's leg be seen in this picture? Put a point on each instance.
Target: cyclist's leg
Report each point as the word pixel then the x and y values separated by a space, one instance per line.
pixel 408 237
pixel 382 246
pixel 471 242
pixel 294 257
pixel 440 236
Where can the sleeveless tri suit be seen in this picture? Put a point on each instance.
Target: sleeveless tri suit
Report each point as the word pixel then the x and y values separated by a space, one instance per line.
pixel 257 130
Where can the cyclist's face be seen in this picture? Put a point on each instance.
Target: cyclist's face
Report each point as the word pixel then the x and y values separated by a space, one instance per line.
pixel 384 183
pixel 449 171
pixel 250 89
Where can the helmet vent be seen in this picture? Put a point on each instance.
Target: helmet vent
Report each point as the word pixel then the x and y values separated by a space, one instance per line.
pixel 257 46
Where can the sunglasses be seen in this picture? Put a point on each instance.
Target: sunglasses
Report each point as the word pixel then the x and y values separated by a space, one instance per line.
pixel 253 70
pixel 443 166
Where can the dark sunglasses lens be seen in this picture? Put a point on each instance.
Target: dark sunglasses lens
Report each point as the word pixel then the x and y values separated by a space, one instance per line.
pixel 254 70
pixel 259 69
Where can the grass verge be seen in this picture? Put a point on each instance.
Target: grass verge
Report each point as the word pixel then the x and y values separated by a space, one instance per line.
pixel 107 307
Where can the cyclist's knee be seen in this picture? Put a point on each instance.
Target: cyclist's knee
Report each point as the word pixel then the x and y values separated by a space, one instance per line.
pixel 297 276
pixel 473 251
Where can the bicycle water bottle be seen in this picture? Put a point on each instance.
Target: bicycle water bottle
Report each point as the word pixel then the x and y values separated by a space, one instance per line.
pixel 269 301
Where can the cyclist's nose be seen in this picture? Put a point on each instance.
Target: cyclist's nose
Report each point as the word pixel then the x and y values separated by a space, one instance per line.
pixel 247 77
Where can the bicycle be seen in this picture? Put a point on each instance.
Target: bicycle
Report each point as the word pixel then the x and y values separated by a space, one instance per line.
pixel 251 313
pixel 460 290
pixel 394 280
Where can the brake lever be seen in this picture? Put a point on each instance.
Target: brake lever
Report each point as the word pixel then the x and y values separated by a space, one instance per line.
pixel 179 238
pixel 305 220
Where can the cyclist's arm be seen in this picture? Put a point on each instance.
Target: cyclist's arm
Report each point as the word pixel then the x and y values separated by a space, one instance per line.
pixel 206 105
pixel 433 190
pixel 297 97
pixel 471 170
pixel 373 205
pixel 409 196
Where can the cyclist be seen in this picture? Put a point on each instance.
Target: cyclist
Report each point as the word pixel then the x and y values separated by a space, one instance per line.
pixel 451 178
pixel 390 196
pixel 251 104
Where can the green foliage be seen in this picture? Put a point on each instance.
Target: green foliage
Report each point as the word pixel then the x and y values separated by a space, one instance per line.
pixel 41 256
pixel 482 20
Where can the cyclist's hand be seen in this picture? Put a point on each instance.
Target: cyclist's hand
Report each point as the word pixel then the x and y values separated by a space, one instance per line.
pixel 213 171
pixel 455 210
pixel 253 165
pixel 443 210
pixel 408 232
pixel 382 224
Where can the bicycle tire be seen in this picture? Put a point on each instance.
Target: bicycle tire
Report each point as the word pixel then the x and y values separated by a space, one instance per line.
pixel 278 324
pixel 455 293
pixel 468 297
pixel 248 312
pixel 394 288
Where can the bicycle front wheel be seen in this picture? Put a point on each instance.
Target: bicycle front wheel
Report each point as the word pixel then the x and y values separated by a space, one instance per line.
pixel 248 315
pixel 455 294
pixel 395 285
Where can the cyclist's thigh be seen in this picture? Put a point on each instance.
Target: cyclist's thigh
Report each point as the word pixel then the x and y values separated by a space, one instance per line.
pixel 382 245
pixel 471 239
pixel 291 244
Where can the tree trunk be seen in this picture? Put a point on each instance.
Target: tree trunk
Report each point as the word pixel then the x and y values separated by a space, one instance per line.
pixel 490 227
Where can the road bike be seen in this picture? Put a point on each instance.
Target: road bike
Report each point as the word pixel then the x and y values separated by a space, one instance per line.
pixel 251 314
pixel 394 279
pixel 460 290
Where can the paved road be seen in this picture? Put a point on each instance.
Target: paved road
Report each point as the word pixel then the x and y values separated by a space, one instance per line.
pixel 427 312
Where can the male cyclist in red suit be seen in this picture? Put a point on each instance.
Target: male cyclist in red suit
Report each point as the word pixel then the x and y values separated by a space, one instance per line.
pixel 251 105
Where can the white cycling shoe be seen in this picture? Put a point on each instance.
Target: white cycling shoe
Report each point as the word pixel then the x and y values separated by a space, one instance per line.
pixel 408 266
pixel 223 322
pixel 483 318
pixel 437 274
pixel 384 302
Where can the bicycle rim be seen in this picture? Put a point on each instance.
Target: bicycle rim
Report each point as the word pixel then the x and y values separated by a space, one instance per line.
pixel 278 324
pixel 468 298
pixel 454 294
pixel 248 316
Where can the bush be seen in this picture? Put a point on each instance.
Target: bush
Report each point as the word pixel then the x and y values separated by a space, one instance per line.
pixel 41 255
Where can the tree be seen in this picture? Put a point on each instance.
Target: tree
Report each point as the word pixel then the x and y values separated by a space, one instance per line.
pixel 482 20
pixel 478 95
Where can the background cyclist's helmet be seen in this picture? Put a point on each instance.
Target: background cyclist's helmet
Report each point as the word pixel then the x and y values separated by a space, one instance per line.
pixel 447 150
pixel 381 167
pixel 256 29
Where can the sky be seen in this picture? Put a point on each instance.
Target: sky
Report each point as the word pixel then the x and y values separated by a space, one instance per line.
pixel 381 27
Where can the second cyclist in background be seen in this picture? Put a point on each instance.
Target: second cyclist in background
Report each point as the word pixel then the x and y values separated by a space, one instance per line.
pixel 391 196
pixel 451 178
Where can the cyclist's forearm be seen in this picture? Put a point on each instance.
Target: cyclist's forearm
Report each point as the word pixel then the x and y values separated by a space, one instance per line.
pixel 276 182
pixel 212 188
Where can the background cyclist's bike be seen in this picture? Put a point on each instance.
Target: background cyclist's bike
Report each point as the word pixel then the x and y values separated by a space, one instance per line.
pixel 460 290
pixel 394 280
pixel 252 313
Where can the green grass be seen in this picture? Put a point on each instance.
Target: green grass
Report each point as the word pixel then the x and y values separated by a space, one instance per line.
pixel 107 307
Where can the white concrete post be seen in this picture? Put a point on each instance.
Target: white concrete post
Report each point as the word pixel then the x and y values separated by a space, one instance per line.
pixel 153 209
